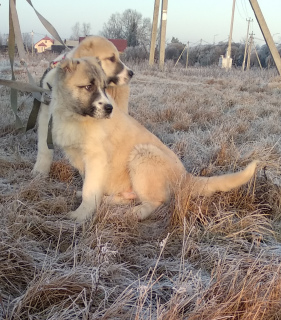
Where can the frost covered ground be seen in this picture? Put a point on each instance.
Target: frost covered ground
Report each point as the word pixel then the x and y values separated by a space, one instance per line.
pixel 216 258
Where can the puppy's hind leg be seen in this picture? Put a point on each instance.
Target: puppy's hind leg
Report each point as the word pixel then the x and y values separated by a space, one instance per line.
pixel 44 154
pixel 148 173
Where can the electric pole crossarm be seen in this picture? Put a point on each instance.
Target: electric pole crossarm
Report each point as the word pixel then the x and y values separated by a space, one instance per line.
pixel 266 34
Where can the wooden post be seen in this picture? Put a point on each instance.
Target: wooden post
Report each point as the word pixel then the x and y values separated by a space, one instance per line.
pixel 32 43
pixel 258 57
pixel 187 52
pixel 250 51
pixel 246 44
pixel 228 53
pixel 266 34
pixel 163 32
pixel 154 32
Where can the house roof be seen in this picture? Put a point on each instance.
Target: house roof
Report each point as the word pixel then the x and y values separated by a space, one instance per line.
pixel 120 44
pixel 45 39
pixel 69 43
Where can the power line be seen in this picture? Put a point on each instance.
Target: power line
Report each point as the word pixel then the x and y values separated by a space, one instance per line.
pixel 206 41
pixel 239 11
pixel 245 7
pixel 259 39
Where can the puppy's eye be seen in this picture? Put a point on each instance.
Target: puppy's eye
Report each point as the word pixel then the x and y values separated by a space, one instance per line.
pixel 89 87
pixel 112 59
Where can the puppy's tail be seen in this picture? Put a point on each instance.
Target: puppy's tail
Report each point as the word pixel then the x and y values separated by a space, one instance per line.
pixel 206 186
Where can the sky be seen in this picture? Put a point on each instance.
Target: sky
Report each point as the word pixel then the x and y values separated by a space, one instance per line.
pixel 187 20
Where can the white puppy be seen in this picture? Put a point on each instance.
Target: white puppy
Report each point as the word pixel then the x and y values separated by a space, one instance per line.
pixel 115 154
pixel 118 76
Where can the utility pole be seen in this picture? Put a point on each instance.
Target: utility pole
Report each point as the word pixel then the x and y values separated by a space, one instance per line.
pixel 163 32
pixel 154 32
pixel 180 56
pixel 257 57
pixel 187 53
pixel 266 34
pixel 32 43
pixel 214 42
pixel 250 50
pixel 246 44
pixel 228 53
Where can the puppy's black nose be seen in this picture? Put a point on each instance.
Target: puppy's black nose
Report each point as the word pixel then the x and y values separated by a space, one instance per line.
pixel 108 108
pixel 130 73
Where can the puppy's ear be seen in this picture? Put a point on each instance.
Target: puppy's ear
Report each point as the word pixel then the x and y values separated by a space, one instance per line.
pixel 69 65
pixel 98 61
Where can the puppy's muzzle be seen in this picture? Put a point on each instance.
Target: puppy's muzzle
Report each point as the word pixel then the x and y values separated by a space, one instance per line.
pixel 130 73
pixel 108 108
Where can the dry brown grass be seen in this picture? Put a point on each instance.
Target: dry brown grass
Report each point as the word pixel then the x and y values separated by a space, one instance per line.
pixel 215 258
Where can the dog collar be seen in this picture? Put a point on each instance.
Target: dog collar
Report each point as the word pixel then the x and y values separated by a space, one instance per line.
pixel 53 64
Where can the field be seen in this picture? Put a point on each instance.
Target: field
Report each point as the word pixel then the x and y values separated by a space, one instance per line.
pixel 206 258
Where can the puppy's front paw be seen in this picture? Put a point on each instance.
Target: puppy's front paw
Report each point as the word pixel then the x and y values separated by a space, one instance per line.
pixel 39 173
pixel 79 216
pixel 41 168
pixel 143 211
pixel 79 194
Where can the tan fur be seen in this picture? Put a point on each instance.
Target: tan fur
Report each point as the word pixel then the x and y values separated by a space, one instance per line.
pixel 119 157
pixel 104 51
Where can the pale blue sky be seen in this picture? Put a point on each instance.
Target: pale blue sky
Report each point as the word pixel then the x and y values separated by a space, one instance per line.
pixel 188 20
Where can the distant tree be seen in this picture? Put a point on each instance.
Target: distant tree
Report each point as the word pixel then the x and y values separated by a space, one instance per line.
pixel 175 40
pixel 77 31
pixel 136 54
pixel 27 41
pixel 254 60
pixel 129 25
pixel 174 49
pixel 132 34
pixel 264 53
pixel 3 39
pixel 86 29
pixel 237 53
pixel 193 55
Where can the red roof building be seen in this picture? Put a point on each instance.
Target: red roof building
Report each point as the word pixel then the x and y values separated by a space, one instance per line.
pixel 44 44
pixel 120 44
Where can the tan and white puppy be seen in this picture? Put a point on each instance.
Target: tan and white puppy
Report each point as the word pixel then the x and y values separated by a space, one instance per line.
pixel 118 76
pixel 93 133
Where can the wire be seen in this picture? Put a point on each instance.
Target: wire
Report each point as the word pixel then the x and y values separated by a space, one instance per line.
pixel 206 41
pixel 41 34
pixel 259 39
pixel 239 10
pixel 244 7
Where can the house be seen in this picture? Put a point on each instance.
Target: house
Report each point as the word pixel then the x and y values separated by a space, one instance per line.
pixel 55 46
pixel 44 44
pixel 58 47
pixel 120 44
